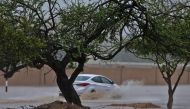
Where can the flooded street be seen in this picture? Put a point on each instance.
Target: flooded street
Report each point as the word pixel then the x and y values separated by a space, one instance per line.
pixel 20 96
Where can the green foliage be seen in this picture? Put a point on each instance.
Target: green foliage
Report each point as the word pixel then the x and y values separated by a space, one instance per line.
pixel 105 25
pixel 78 22
pixel 18 45
pixel 167 41
pixel 39 32
pixel 96 30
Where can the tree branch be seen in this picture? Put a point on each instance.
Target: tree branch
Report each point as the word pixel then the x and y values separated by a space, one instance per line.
pixel 180 75
pixel 36 11
pixel 79 68
pixel 51 14
pixel 110 56
pixel 14 68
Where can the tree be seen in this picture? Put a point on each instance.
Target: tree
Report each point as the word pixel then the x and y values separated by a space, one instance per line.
pixel 169 45
pixel 16 46
pixel 70 32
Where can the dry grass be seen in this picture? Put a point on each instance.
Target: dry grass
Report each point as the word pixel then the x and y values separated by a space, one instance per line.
pixel 136 105
pixel 64 105
pixel 59 105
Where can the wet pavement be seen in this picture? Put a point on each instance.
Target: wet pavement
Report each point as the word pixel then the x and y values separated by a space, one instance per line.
pixel 26 96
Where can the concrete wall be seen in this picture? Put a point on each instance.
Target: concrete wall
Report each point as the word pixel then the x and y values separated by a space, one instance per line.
pixel 148 74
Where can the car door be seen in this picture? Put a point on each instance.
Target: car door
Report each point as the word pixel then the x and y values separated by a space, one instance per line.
pixel 102 83
pixel 108 85
pixel 97 83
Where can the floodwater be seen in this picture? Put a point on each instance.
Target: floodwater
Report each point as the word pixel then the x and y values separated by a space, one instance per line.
pixel 26 96
pixel 19 96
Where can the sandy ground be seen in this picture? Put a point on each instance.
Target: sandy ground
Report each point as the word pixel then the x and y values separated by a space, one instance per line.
pixel 26 96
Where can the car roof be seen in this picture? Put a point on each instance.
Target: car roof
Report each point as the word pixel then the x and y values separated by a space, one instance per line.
pixel 91 75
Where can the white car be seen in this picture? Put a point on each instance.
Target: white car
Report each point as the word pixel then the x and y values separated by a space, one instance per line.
pixel 87 83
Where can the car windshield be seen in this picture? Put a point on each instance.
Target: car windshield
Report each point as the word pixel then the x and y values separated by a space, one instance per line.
pixel 82 78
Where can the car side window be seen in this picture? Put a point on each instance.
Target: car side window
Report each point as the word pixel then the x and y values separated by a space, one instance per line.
pixel 105 80
pixel 82 78
pixel 97 79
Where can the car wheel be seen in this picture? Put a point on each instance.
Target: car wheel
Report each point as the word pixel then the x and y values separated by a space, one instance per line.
pixel 60 94
pixel 93 90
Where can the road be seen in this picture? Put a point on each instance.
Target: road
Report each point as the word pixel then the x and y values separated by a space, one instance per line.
pixel 19 96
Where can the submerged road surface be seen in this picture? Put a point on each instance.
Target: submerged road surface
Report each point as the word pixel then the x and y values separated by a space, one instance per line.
pixel 26 96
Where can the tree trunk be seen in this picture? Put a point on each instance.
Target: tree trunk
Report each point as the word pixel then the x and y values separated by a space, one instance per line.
pixel 170 101
pixel 68 90
pixel 170 94
pixel 65 84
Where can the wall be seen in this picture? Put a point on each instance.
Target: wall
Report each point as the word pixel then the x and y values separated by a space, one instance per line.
pixel 148 74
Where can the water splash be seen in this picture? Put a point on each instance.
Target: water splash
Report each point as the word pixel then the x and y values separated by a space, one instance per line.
pixel 118 93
